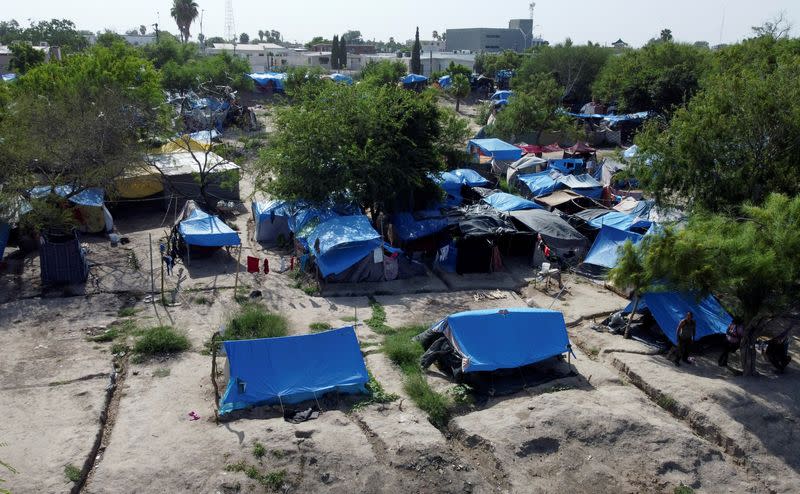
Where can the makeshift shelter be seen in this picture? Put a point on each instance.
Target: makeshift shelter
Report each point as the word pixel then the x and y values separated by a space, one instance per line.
pixel 537 184
pixel 269 81
pixel 454 182
pixel 199 142
pixel 180 171
pixel 568 202
pixel 497 149
pixel 568 243
pixel 605 250
pixel 341 79
pixel 568 166
pixel 62 259
pixel 476 230
pixel 502 95
pixel 525 165
pixel 509 202
pixel 581 150
pixel 292 369
pixel 414 81
pixel 271 220
pixel 668 308
pixel 202 233
pixel 420 231
pixel 88 206
pixel 445 81
pixel 584 185
pixel 138 183
pixel 471 342
pixel 636 217
pixel 5 231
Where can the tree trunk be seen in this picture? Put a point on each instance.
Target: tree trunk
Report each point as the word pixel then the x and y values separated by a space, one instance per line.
pixel 630 317
pixel 458 104
pixel 748 350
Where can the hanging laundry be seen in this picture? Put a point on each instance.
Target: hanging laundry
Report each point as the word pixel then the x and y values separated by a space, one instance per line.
pixel 252 264
pixel 266 266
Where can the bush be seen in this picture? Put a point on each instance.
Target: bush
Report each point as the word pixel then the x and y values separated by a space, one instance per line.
pixel 404 351
pixel 317 327
pixel 160 340
pixel 253 322
pixel 72 473
pixel 436 405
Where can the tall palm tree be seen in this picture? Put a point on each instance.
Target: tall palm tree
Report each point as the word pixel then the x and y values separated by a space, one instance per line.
pixel 184 12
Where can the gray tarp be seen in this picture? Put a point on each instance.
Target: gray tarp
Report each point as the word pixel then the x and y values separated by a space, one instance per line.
pixel 556 232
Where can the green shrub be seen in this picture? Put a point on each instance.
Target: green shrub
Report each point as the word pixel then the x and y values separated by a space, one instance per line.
pixel 109 335
pixel 72 473
pixel 377 394
pixel 259 450
pixel 378 320
pixel 253 322
pixel 160 340
pixel 317 327
pixel 402 350
pixel 436 405
pixel 126 312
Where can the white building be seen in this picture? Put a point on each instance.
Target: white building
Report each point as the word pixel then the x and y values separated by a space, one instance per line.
pixel 139 40
pixel 6 55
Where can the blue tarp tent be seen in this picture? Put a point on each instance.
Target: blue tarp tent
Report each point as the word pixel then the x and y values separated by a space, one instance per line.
pixel 413 79
pixel 342 78
pixel 638 217
pixel 263 79
pixel 503 201
pixel 605 249
pixel 445 81
pixel 502 95
pixel 584 185
pixel 470 178
pixel 493 339
pixel 9 77
pixel 497 149
pixel 5 230
pixel 271 219
pixel 292 369
pixel 341 242
pixel 668 308
pixel 539 184
pixel 414 226
pixel 203 230
pixel 452 181
pixel 567 166
pixel 94 217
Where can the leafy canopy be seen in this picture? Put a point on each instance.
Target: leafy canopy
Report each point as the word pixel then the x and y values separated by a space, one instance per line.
pixel 532 111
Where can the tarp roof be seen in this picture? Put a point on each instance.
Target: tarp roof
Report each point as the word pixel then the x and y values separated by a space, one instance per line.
pixel 497 149
pixel 668 308
pixel 343 241
pixel 639 216
pixel 413 226
pixel 92 197
pixel 503 201
pixel 445 81
pixel 413 79
pixel 605 250
pixel 8 77
pixel 540 183
pixel 201 229
pixel 341 78
pixel 566 165
pixel 560 197
pixel 555 231
pixel 584 184
pixel 292 369
pixel 183 163
pixel 481 220
pixel 502 95
pixel 495 339
pixel 581 147
pixel 469 177
pixel 263 78
pixel 263 209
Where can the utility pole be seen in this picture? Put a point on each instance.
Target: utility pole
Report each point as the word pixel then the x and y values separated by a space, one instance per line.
pixel 202 38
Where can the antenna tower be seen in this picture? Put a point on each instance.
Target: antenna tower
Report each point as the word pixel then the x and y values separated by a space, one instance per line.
pixel 230 27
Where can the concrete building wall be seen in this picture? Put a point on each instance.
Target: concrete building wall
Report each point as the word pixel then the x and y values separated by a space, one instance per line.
pixel 483 39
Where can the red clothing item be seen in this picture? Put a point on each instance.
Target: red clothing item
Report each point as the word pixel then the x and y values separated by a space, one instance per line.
pixel 252 264
pixel 266 266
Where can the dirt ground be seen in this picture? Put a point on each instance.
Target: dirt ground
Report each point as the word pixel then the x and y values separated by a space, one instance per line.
pixel 616 417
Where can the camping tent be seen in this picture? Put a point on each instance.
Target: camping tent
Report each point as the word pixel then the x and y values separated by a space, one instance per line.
pixel 568 242
pixel 497 149
pixel 269 80
pixel 668 308
pixel 584 185
pixel 503 201
pixel 200 229
pixel 605 250
pixel 292 369
pixel 271 219
pixel 341 242
pixel 493 339
pixel 567 166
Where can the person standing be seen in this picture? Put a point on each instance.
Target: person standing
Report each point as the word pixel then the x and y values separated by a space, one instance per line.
pixel 685 336
pixel 733 338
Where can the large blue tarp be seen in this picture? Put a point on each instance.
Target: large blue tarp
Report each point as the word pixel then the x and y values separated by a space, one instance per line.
pixel 413 79
pixel 445 81
pixel 470 178
pixel 292 369
pixel 668 308
pixel 502 95
pixel 8 77
pixel 413 226
pixel 264 78
pixel 342 78
pixel 638 217
pixel 567 166
pixel 88 197
pixel 540 183
pixel 585 185
pixel 5 231
pixel 503 201
pixel 271 220
pixel 496 148
pixel 341 242
pixel 605 249
pixel 505 338
pixel 203 230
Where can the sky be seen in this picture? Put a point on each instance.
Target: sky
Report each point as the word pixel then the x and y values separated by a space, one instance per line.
pixel 635 21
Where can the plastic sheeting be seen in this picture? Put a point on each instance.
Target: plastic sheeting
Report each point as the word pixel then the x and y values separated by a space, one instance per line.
pixel 201 229
pixel 556 232
pixel 502 95
pixel 413 79
pixel 605 250
pixel 584 185
pixel 493 339
pixel 445 81
pixel 567 165
pixel 668 308
pixel 509 202
pixel 414 226
pixel 271 219
pixel 496 148
pixel 541 183
pixel 637 217
pixel 262 79
pixel 342 78
pixel 293 369
pixel 8 77
pixel 341 242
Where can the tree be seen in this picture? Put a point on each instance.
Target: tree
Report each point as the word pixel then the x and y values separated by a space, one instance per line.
pixel 109 38
pixel 736 140
pixel 223 69
pixel 142 30
pixel 665 36
pixel 659 77
pixel 372 145
pixel 489 64
pixel 435 35
pixel 244 38
pixel 343 53
pixel 335 52
pixel 416 63
pixel 317 40
pixel 169 49
pixel 261 35
pixel 453 69
pixel 383 73
pixel 777 28
pixel 303 82
pixel 55 32
pixel 533 111
pixel 354 37
pixel 574 67
pixel 24 57
pixel 631 274
pixel 184 12
pixel 750 261
pixel 460 89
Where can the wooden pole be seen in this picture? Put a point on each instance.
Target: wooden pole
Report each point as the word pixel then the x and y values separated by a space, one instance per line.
pixel 152 275
pixel 630 317
pixel 236 281
pixel 214 346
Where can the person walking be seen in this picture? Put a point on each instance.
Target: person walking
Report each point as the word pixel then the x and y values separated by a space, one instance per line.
pixel 685 335
pixel 733 338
